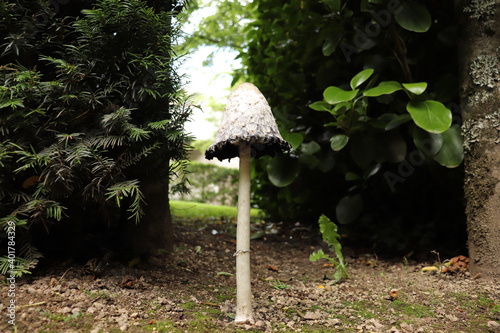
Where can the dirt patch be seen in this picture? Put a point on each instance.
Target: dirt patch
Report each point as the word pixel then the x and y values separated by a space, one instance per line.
pixel 193 290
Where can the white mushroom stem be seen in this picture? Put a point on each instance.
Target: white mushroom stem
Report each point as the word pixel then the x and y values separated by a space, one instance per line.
pixel 243 288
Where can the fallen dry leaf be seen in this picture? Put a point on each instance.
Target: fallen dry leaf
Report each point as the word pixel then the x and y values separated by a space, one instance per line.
pixel 210 304
pixel 128 283
pixel 31 181
pixel 457 264
pixel 272 268
pixel 393 294
pixel 429 269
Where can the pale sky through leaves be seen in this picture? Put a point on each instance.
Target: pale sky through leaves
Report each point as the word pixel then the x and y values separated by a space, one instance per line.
pixel 213 81
pixel 206 81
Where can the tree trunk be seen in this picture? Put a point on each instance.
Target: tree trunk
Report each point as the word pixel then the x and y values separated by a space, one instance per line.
pixel 155 230
pixel 479 52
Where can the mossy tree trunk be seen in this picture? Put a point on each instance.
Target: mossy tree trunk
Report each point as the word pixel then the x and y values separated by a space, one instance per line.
pixel 479 55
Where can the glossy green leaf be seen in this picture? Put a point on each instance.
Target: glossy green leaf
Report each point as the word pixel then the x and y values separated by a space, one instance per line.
pixel 430 115
pixel 282 170
pixel 320 106
pixel 295 139
pixel 428 143
pixel 334 95
pixel 340 108
pixel 310 148
pixel 360 78
pixel 415 88
pixel 451 154
pixel 414 17
pixel 372 170
pixel 349 208
pixel 398 120
pixel 338 141
pixel 384 88
pixel 329 46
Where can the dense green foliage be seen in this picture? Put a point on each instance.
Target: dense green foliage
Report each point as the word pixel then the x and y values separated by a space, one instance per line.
pixel 224 28
pixel 371 157
pixel 91 107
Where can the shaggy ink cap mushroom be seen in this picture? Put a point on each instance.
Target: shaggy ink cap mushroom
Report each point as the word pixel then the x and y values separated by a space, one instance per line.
pixel 247 119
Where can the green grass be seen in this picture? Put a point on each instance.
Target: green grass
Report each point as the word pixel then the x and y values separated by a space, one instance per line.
pixel 188 305
pixel 481 306
pixel 201 211
pixel 365 310
pixel 76 320
pixel 99 294
pixel 412 310
pixel 199 321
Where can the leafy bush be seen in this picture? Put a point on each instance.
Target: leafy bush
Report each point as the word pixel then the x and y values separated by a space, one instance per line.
pixel 388 179
pixel 91 111
pixel 18 261
pixel 376 176
pixel 432 134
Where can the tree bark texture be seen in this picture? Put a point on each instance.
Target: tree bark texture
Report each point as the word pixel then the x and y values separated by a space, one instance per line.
pixel 479 59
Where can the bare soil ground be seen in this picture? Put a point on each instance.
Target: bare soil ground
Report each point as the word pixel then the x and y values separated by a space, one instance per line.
pixel 193 290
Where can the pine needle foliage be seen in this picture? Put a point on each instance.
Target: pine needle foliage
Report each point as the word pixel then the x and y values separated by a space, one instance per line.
pixel 90 104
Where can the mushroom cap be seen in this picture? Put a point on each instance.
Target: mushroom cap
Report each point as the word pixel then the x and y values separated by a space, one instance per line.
pixel 247 119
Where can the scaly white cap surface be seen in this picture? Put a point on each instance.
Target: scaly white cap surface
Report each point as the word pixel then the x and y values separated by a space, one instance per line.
pixel 247 119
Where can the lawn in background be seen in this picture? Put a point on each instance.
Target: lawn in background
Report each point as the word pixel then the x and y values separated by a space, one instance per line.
pixel 191 210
